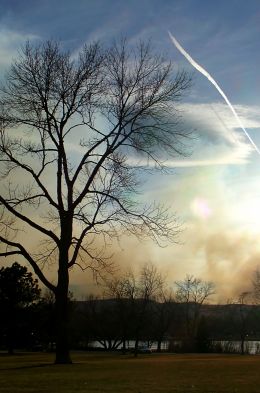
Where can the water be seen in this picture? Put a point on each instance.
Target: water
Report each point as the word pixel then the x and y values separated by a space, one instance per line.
pixel 130 344
pixel 234 346
pixel 251 347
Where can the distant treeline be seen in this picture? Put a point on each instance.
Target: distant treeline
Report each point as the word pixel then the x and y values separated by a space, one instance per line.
pixel 112 323
pixel 133 309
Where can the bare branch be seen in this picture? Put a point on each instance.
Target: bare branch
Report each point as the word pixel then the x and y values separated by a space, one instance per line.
pixel 22 251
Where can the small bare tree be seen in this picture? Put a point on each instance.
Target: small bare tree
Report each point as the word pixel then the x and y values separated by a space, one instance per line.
pixel 242 317
pixel 164 314
pixel 71 134
pixel 193 292
pixel 135 295
pixel 123 289
pixel 149 286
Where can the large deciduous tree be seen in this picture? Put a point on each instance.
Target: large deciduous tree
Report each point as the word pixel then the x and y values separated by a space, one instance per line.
pixel 74 130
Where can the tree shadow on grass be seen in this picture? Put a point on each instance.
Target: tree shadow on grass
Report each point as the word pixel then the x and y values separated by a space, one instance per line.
pixel 16 366
pixel 28 366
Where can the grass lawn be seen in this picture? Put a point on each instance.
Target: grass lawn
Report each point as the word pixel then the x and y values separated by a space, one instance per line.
pixel 100 372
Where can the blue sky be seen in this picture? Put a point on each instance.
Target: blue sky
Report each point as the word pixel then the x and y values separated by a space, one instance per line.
pixel 222 35
pixel 215 191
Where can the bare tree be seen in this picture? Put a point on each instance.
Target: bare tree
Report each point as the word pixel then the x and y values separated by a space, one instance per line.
pixel 242 318
pixel 164 315
pixel 135 297
pixel 73 133
pixel 102 321
pixel 193 292
pixel 149 286
pixel 123 289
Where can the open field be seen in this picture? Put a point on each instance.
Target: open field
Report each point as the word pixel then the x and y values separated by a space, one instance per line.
pixel 100 372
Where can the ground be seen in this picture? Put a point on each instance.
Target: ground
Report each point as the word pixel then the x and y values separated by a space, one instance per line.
pixel 153 373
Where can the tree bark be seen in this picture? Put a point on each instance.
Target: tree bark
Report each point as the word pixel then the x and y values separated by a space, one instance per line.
pixel 62 289
pixel 159 345
pixel 62 312
pixel 10 344
pixel 242 346
pixel 136 347
pixel 10 330
pixel 62 320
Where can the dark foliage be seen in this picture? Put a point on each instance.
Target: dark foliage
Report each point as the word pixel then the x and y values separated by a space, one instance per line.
pixel 18 291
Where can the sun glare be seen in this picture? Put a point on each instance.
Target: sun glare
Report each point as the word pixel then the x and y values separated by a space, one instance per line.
pixel 201 208
pixel 247 213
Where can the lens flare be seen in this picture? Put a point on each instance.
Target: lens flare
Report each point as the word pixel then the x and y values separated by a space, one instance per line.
pixel 201 208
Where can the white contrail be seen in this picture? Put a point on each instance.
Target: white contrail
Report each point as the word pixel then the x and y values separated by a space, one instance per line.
pixel 209 77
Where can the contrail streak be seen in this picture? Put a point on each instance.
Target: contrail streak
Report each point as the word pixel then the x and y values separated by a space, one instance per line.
pixel 209 77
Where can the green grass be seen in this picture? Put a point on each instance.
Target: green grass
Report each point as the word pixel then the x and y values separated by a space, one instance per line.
pixel 99 372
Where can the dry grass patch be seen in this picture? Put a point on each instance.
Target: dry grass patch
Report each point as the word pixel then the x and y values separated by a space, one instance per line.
pixel 99 372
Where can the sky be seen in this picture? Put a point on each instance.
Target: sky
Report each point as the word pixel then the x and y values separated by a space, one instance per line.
pixel 215 191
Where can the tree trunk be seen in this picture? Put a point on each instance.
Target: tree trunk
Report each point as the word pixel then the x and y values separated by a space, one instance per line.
pixel 62 289
pixel 62 317
pixel 123 346
pixel 10 345
pixel 242 346
pixel 11 330
pixel 136 347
